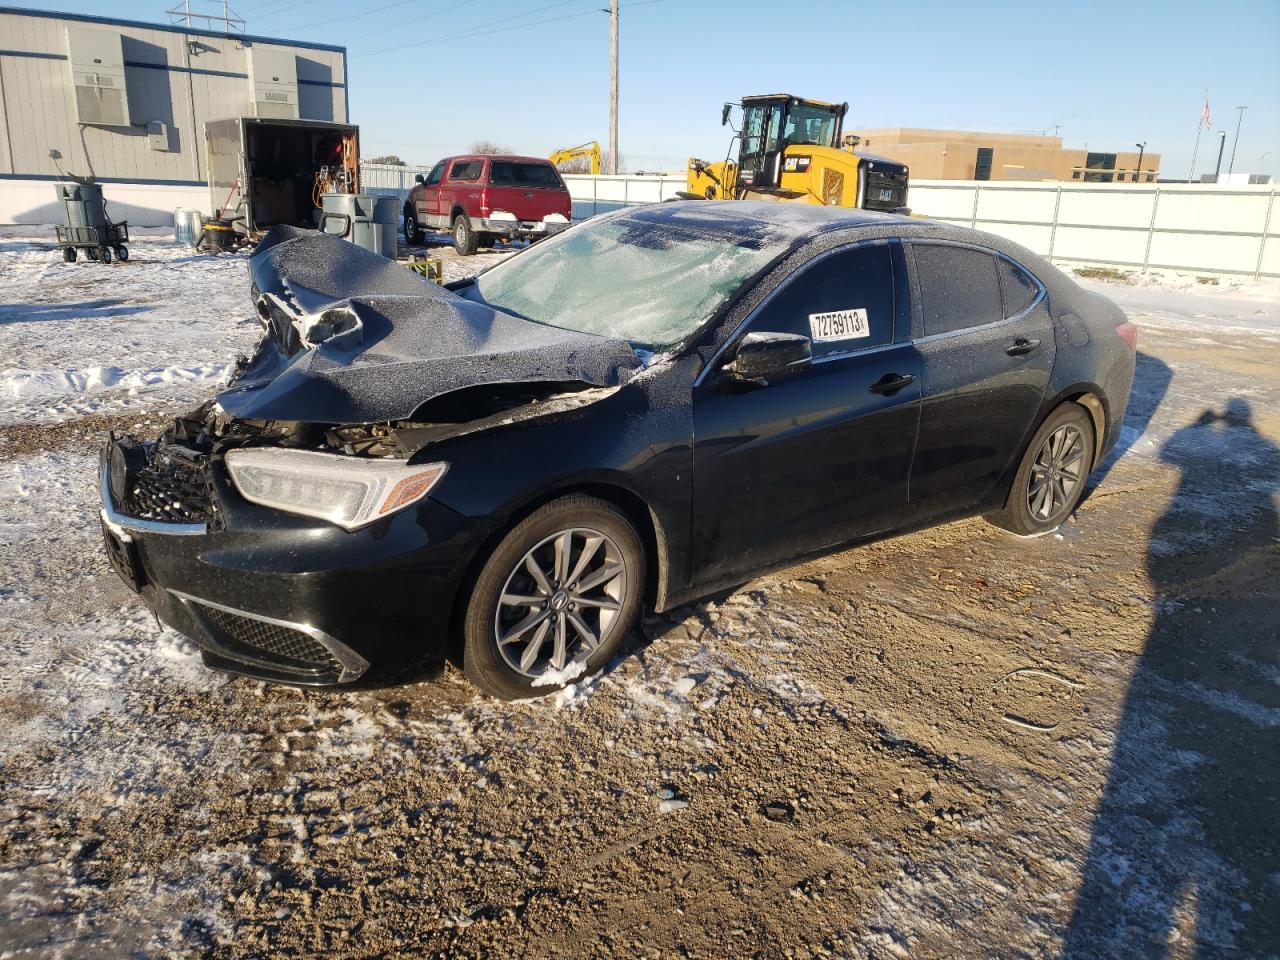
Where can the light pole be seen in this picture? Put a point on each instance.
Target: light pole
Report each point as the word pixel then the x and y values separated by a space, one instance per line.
pixel 1137 177
pixel 1236 142
pixel 1222 142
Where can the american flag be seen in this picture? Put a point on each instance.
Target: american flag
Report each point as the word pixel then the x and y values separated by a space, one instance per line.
pixel 1204 114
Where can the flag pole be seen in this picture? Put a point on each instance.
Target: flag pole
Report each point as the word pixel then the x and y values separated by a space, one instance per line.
pixel 1196 149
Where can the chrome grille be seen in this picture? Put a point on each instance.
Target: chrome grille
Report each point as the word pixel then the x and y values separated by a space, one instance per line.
pixel 170 490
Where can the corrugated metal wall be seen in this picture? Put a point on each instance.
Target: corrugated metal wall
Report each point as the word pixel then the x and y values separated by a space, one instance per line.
pixel 181 79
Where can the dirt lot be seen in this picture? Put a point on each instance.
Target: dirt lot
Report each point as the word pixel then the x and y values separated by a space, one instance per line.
pixel 954 743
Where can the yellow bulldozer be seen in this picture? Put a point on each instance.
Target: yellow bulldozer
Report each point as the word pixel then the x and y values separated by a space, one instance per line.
pixel 792 150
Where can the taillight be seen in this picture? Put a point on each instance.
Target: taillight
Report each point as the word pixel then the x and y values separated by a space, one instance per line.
pixel 484 201
pixel 1129 334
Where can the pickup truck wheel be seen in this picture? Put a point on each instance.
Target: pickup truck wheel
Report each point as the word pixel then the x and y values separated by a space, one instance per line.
pixel 464 238
pixel 413 234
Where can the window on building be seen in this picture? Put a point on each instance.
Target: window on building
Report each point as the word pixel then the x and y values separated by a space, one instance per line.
pixel 982 169
pixel 1099 167
pixel 1075 174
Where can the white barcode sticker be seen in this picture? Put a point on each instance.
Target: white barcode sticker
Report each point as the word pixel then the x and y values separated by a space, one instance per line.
pixel 839 325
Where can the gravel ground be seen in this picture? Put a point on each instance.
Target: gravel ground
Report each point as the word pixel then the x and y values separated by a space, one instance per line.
pixel 954 743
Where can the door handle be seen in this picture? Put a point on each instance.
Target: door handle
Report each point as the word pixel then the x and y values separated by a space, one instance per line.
pixel 1020 346
pixel 891 383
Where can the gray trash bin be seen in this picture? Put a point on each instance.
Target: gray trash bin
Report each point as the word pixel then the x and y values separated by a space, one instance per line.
pixel 82 204
pixel 365 220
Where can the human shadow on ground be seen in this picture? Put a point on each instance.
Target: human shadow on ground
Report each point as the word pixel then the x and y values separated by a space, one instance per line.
pixel 1184 841
pixel 1151 380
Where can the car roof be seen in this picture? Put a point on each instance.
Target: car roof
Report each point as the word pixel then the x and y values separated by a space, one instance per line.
pixel 800 219
pixel 794 224
pixel 499 156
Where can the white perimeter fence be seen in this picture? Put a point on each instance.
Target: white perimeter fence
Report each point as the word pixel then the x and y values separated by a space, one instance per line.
pixel 1188 227
pixel 1172 226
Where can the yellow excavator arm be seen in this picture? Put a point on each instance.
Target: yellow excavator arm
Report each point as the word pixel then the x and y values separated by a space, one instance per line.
pixel 591 150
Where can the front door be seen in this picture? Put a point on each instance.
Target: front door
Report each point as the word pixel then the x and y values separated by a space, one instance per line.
pixel 429 197
pixel 987 359
pixel 820 457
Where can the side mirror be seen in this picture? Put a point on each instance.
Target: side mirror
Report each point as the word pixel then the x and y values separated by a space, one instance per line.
pixel 770 356
pixel 724 114
pixel 419 178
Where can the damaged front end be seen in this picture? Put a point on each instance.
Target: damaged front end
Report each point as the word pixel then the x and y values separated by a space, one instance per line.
pixel 235 525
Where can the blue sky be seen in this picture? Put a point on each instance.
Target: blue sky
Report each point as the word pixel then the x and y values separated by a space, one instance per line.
pixel 1109 73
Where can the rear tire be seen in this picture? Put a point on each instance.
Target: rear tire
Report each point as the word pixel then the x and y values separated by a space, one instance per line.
pixel 464 238
pixel 104 254
pixel 122 253
pixel 413 234
pixel 1051 478
pixel 560 605
pixel 69 254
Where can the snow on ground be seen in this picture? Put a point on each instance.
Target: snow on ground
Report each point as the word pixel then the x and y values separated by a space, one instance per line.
pixel 167 325
pixel 820 761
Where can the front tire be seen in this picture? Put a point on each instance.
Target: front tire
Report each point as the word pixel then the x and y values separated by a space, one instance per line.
pixel 555 599
pixel 464 238
pixel 413 234
pixel 1051 478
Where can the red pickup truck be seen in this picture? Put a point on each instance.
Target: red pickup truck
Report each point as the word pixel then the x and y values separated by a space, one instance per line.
pixel 481 199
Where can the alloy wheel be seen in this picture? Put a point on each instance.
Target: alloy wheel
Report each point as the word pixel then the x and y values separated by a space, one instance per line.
pixel 560 602
pixel 1057 473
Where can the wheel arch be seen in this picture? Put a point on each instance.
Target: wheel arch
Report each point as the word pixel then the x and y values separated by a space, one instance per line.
pixel 457 209
pixel 653 537
pixel 1091 397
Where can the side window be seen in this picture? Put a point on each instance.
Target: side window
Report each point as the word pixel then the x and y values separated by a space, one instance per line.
pixel 958 287
pixel 466 170
pixel 436 173
pixel 1019 288
pixel 843 302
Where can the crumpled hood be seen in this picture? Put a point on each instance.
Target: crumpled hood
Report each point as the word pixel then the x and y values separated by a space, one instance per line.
pixel 356 338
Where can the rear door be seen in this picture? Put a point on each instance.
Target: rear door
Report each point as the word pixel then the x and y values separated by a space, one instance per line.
pixel 527 189
pixel 986 340
pixel 461 187
pixel 823 456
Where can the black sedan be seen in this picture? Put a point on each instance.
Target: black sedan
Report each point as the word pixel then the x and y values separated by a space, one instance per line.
pixel 651 406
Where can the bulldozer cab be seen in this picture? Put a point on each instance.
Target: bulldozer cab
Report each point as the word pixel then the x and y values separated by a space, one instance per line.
pixel 772 123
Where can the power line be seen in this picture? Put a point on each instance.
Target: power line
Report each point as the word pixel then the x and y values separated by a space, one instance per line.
pixel 478 26
pixel 355 16
pixel 477 32
pixel 435 13
pixel 292 6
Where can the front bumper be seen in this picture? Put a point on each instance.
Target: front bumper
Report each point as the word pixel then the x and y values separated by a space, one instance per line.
pixel 287 599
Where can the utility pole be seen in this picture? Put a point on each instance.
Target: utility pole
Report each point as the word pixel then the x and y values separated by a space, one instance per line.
pixel 1222 142
pixel 613 89
pixel 1141 149
pixel 1236 142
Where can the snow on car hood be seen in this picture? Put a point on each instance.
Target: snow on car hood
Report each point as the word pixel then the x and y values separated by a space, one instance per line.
pixel 356 338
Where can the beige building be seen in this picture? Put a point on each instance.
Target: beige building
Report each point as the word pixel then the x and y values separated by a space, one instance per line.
pixel 968 155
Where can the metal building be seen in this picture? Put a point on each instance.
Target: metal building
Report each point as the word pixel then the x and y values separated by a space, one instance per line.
pixel 127 102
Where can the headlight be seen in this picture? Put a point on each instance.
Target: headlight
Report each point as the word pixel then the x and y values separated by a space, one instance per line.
pixel 344 490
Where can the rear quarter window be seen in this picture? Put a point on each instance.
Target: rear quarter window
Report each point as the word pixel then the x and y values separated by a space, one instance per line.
pixel 466 170
pixel 512 173
pixel 959 287
pixel 1020 288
